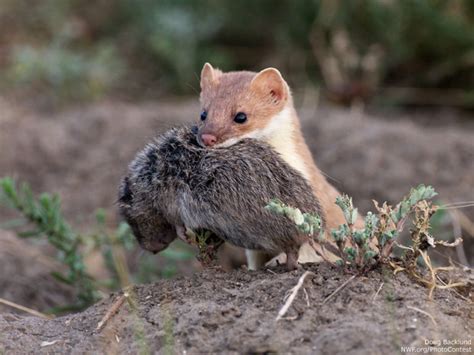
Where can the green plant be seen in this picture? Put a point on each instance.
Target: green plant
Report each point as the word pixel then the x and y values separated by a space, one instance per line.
pixel 207 244
pixel 43 215
pixel 308 223
pixel 362 246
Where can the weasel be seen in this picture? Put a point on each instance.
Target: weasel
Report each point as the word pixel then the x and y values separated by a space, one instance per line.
pixel 243 104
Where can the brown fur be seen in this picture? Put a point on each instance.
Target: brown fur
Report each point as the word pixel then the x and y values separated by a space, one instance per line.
pixel 224 95
pixel 325 192
pixel 262 96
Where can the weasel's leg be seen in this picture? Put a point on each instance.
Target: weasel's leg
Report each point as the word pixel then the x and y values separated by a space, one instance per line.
pixel 256 259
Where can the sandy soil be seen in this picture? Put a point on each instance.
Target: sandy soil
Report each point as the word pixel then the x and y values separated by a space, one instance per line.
pixel 216 312
pixel 25 275
pixel 81 154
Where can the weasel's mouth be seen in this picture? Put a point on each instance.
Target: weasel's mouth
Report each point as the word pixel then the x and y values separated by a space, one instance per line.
pixel 194 139
pixel 200 143
pixel 227 143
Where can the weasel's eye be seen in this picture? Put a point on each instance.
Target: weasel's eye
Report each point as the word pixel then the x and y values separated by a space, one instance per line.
pixel 240 117
pixel 203 115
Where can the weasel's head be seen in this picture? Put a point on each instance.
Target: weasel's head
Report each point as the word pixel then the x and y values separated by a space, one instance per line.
pixel 241 104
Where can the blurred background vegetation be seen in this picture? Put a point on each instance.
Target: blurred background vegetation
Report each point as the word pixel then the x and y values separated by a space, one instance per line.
pixel 406 52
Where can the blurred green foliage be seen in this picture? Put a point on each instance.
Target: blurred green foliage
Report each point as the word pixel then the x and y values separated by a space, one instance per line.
pixel 78 48
pixel 64 71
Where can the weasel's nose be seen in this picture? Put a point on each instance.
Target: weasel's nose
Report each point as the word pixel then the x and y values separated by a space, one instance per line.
pixel 208 139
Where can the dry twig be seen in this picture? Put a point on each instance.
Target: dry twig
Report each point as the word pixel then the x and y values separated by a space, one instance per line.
pixel 457 230
pixel 452 289
pixel 293 293
pixel 48 343
pixel 339 289
pixel 306 296
pixel 425 313
pixel 112 310
pixel 377 293
pixel 432 284
pixel 25 309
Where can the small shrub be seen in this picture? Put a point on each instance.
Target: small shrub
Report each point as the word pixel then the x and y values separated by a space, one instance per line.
pixel 43 215
pixel 362 249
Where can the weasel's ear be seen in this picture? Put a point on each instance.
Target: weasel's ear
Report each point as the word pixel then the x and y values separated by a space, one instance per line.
pixel 209 76
pixel 270 83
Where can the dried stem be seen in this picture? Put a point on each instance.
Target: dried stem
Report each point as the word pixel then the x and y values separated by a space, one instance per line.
pixel 24 309
pixel 425 313
pixel 377 293
pixel 339 288
pixel 111 312
pixel 293 293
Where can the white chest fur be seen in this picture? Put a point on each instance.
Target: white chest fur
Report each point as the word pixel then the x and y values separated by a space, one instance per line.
pixel 280 133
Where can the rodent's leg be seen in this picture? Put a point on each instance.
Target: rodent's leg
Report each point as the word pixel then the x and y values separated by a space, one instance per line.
pixel 292 260
pixel 181 233
pixel 256 259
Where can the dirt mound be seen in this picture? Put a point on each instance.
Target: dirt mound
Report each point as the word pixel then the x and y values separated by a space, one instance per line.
pixel 25 276
pixel 215 312
pixel 82 153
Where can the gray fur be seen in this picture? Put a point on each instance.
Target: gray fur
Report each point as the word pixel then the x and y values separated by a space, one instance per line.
pixel 175 182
